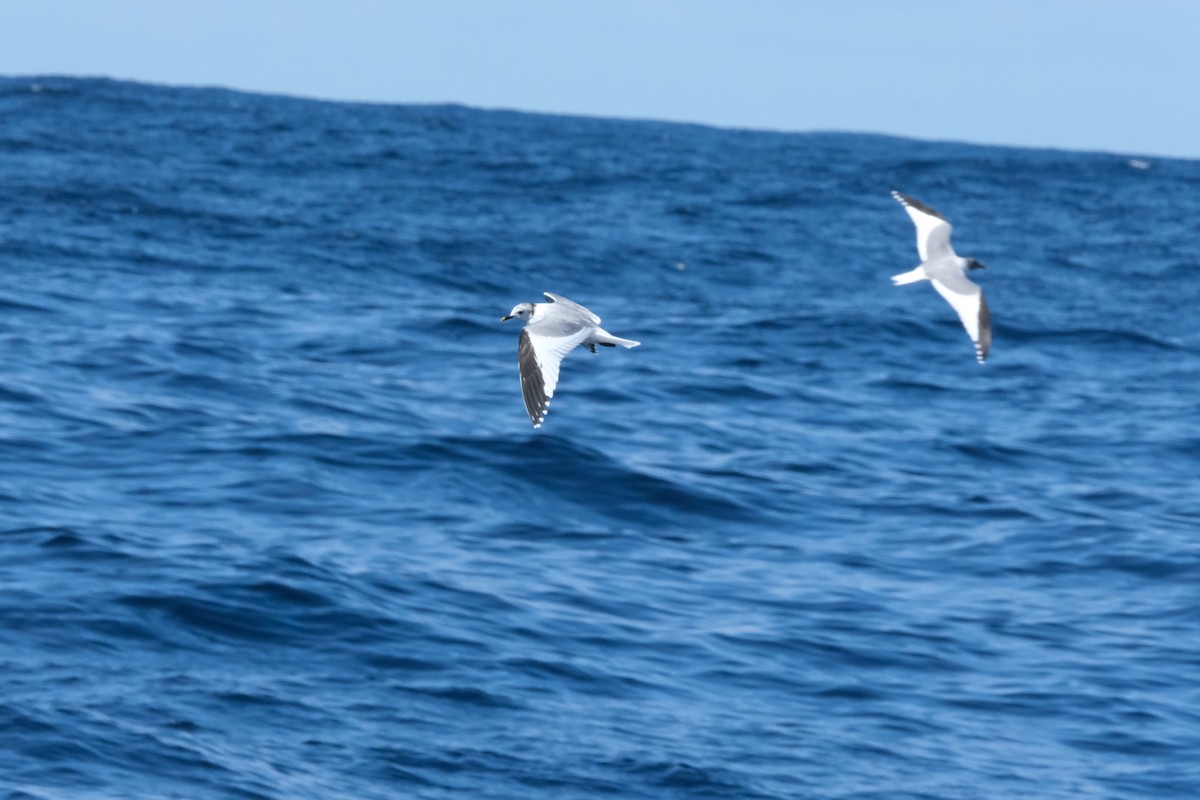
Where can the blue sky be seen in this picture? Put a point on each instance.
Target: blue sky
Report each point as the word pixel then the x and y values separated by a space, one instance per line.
pixel 1116 75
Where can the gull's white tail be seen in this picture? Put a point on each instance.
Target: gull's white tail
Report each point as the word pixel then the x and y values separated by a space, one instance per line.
pixel 912 276
pixel 601 336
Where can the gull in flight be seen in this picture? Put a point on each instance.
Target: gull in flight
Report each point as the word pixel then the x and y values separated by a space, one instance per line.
pixel 947 271
pixel 551 331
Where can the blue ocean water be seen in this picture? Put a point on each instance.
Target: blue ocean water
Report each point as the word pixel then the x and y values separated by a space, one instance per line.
pixel 274 523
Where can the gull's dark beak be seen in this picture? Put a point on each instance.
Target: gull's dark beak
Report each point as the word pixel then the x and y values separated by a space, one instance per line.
pixel 506 318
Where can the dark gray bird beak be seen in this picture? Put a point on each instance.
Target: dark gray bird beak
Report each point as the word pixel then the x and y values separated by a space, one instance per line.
pixel 506 318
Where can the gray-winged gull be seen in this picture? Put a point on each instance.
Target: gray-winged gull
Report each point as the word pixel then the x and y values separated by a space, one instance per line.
pixel 551 331
pixel 947 271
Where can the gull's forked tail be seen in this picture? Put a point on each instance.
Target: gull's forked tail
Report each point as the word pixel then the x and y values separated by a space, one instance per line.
pixel 603 337
pixel 912 276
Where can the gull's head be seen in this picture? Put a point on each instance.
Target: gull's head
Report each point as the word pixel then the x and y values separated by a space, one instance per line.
pixel 973 264
pixel 520 311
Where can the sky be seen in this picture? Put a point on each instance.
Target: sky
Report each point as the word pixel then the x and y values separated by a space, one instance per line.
pixel 1113 75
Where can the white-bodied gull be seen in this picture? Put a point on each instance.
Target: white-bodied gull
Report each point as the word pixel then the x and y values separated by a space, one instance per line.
pixel 947 271
pixel 551 331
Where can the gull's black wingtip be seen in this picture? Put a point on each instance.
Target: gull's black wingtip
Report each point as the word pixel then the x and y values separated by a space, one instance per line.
pixel 910 202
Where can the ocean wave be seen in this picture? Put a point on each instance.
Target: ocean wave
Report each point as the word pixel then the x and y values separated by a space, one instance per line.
pixel 274 523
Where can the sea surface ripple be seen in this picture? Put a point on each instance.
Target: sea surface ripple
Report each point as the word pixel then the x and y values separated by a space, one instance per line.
pixel 274 523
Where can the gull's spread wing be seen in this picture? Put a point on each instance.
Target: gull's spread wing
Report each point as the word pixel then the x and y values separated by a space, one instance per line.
pixel 966 298
pixel 539 356
pixel 933 230
pixel 570 305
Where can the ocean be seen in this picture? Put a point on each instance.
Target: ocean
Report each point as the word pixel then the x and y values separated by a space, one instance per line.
pixel 274 522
